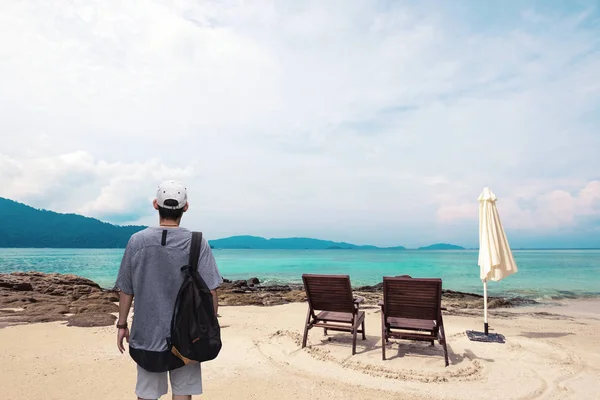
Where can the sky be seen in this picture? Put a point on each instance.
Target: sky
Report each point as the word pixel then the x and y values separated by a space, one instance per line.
pixel 371 122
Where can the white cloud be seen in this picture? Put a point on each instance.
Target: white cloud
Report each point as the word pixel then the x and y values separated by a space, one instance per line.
pixel 356 121
pixel 76 182
pixel 543 211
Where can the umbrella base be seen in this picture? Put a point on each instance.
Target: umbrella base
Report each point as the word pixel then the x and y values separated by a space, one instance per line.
pixel 482 337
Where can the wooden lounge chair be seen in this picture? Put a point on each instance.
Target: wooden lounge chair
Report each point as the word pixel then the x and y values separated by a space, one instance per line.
pixel 412 310
pixel 339 310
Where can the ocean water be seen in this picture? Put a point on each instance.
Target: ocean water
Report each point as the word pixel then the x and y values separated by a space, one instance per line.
pixel 543 274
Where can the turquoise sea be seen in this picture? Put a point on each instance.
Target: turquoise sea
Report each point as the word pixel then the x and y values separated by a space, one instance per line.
pixel 548 274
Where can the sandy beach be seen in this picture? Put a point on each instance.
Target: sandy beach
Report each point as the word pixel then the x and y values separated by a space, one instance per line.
pixel 551 352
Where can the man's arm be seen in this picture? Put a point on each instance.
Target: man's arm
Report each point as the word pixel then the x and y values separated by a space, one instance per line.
pixel 207 267
pixel 125 301
pixel 215 298
pixel 124 285
pixel 124 306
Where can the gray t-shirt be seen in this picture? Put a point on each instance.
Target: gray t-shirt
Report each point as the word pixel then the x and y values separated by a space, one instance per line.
pixel 151 271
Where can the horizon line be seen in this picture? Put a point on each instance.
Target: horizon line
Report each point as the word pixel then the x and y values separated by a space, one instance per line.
pixel 397 247
pixel 360 249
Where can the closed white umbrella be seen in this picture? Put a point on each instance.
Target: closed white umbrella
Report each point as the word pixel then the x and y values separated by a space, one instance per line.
pixel 496 261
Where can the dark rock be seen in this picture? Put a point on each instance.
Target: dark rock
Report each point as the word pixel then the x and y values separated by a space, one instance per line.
pixel 253 281
pixel 451 294
pixel 22 287
pixel 16 300
pixel 226 287
pixel 375 288
pixel 50 284
pixel 46 308
pixel 19 318
pixel 276 288
pixel 274 301
pixel 512 302
pixel 92 319
pixel 111 296
pixel 226 280
pixel 48 297
pixel 238 299
pixel 54 295
pixel 498 303
pixel 295 296
pixel 94 308
pixel 45 318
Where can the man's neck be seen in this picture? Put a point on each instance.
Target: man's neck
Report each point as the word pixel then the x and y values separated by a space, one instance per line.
pixel 168 223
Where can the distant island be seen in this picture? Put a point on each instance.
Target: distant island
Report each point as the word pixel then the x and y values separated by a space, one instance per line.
pixel 23 226
pixel 297 243
pixel 442 246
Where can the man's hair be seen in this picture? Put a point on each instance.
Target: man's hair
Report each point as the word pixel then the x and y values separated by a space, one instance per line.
pixel 168 213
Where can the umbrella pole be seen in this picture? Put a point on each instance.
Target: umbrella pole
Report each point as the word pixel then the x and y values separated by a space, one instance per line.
pixel 485 320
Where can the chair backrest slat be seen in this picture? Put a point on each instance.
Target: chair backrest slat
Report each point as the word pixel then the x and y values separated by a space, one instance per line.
pixel 416 298
pixel 329 292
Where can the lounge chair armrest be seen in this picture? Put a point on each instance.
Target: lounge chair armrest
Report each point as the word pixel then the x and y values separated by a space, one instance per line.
pixel 358 300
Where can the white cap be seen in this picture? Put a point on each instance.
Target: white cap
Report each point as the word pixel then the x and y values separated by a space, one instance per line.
pixel 171 190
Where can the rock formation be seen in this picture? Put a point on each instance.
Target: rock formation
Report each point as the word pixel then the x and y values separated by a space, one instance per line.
pixel 30 297
pixel 38 297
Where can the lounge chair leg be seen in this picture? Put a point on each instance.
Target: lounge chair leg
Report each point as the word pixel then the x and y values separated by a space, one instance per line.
pixel 363 330
pixel 354 331
pixel 432 343
pixel 442 340
pixel 306 327
pixel 383 336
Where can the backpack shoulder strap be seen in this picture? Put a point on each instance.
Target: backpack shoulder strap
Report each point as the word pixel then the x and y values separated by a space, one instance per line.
pixel 195 249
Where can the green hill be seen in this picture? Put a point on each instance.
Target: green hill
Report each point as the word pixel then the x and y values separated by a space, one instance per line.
pixel 255 242
pixel 25 226
pixel 442 246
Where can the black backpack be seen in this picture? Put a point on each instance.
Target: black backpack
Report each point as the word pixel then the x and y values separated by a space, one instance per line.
pixel 195 330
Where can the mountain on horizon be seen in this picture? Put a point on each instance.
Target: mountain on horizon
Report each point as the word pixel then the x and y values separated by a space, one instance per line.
pixel 23 226
pixel 442 246
pixel 294 243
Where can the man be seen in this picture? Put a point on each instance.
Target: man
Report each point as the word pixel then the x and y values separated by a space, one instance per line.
pixel 150 271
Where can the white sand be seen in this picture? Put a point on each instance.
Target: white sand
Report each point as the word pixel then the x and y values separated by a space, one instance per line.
pixel 550 353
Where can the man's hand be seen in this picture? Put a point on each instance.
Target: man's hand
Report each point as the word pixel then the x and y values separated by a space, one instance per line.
pixel 122 334
pixel 125 301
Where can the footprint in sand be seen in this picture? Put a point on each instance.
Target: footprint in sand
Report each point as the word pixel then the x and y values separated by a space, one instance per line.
pixel 285 346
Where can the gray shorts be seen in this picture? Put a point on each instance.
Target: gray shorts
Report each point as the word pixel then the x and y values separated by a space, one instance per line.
pixel 186 380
